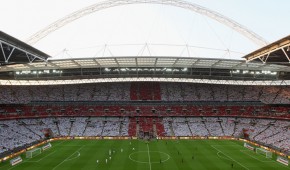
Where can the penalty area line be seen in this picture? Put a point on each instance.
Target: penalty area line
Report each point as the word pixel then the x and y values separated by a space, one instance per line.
pixel 230 158
pixel 68 157
pixel 27 160
pixel 43 157
pixel 218 154
pixel 245 152
pixel 46 156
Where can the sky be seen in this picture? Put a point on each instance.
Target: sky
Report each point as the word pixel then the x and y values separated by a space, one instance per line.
pixel 146 29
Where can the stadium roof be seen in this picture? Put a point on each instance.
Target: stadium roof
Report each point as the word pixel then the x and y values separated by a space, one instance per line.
pixel 277 52
pixel 141 62
pixel 13 51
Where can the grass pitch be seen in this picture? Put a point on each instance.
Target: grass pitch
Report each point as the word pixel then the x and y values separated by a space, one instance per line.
pixel 140 155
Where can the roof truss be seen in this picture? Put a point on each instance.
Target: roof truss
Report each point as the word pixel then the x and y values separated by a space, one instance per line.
pixel 278 52
pixel 152 62
pixel 13 51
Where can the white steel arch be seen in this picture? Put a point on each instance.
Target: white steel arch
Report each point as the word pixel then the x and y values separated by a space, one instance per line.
pixel 177 3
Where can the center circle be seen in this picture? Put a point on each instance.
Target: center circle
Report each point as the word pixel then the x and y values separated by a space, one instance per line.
pixel 143 157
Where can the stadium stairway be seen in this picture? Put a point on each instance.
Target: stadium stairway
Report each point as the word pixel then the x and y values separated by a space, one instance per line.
pixel 235 128
pixel 120 128
pixel 103 126
pixel 261 132
pixel 137 129
pixel 70 127
pixel 87 122
pixel 222 128
pixel 58 131
pixel 171 130
pixel 189 128
pixel 263 139
pixel 154 130
pixel 206 128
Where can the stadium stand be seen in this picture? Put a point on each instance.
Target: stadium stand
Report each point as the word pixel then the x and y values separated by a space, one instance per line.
pixel 134 109
pixel 144 91
pixel 17 133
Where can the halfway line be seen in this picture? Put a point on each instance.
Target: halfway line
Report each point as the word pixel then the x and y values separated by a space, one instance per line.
pixel 149 156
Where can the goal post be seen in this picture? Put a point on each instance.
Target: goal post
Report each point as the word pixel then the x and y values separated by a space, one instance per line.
pixel 265 152
pixel 33 152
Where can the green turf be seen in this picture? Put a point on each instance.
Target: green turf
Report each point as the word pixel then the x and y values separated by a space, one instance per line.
pixel 173 154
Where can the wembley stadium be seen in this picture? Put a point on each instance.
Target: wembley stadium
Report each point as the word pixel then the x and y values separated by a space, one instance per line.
pixel 143 106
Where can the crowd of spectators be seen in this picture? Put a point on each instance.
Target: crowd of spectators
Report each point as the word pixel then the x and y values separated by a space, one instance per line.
pixel 144 91
pixel 210 92
pixel 113 120
pixel 14 134
pixel 77 92
pixel 17 133
pixel 275 133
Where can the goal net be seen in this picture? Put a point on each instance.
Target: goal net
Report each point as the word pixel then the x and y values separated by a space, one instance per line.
pixel 33 152
pixel 265 152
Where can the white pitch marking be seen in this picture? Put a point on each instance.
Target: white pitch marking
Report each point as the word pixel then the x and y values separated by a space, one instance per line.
pixel 245 152
pixel 149 157
pixel 230 157
pixel 225 145
pixel 46 156
pixel 68 157
pixel 130 157
pixel 218 154
pixel 30 158
pixel 59 143
pixel 43 157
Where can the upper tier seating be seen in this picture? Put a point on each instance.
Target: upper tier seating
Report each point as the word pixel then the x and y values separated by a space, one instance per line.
pixel 144 91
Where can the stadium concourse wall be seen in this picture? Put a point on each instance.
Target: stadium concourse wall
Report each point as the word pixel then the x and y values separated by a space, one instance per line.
pixel 135 138
pixel 235 116
pixel 145 109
